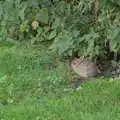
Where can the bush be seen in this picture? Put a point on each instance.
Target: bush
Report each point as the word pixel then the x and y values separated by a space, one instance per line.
pixel 88 27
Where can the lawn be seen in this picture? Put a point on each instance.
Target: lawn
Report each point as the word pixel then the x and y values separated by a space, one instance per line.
pixel 36 85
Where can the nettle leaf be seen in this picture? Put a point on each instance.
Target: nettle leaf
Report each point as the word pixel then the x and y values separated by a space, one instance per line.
pixel 1 33
pixel 116 34
pixel 39 30
pixel 63 42
pixel 12 29
pixel 46 28
pixel 32 3
pixel 113 45
pixel 90 45
pixel 39 37
pixel 70 52
pixel 52 35
pixel 1 11
pixel 7 8
pixel 56 23
pixel 11 41
pixel 115 39
pixel 22 11
pixel 80 39
pixel 17 3
pixel 61 7
pixel 87 37
pixel 32 40
pixel 24 27
pixel 75 33
pixel 43 16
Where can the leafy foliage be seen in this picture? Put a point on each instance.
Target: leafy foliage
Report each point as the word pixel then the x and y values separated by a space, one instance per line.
pixel 88 27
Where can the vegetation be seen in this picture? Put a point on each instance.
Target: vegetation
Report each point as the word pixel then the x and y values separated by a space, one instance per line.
pixel 36 83
pixel 87 27
pixel 30 90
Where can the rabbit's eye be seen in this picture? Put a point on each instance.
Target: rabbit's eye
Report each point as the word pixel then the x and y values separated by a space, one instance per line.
pixel 74 63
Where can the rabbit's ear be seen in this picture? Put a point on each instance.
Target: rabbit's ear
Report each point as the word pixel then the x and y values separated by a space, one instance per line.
pixel 82 58
pixel 77 61
pixel 98 70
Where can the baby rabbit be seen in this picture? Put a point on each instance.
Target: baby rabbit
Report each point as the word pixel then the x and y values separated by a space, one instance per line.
pixel 85 68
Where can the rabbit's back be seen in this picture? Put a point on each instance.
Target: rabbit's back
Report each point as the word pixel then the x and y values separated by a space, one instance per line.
pixel 85 68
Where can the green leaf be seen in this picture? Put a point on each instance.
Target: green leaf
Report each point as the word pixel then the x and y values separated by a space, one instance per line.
pixel 46 29
pixel 17 2
pixel 40 38
pixel 1 34
pixel 117 34
pixel 22 11
pixel 32 40
pixel 115 39
pixel 24 26
pixel 56 23
pixel 90 46
pixel 43 16
pixel 61 6
pixel 63 42
pixel 11 41
pixel 1 11
pixel 75 33
pixel 39 30
pixel 113 45
pixel 70 52
pixel 52 35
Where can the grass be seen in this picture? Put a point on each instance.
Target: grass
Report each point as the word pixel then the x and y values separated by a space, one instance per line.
pixel 31 90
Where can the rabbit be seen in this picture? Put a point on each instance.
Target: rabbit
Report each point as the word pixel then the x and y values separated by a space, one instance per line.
pixel 85 68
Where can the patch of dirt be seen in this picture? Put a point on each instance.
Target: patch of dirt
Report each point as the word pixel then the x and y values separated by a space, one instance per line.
pixel 105 67
pixel 109 69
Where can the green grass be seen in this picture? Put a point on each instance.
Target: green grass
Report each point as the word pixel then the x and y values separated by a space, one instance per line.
pixel 31 90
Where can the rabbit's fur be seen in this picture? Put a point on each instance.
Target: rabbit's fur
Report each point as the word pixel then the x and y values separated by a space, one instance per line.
pixel 85 68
